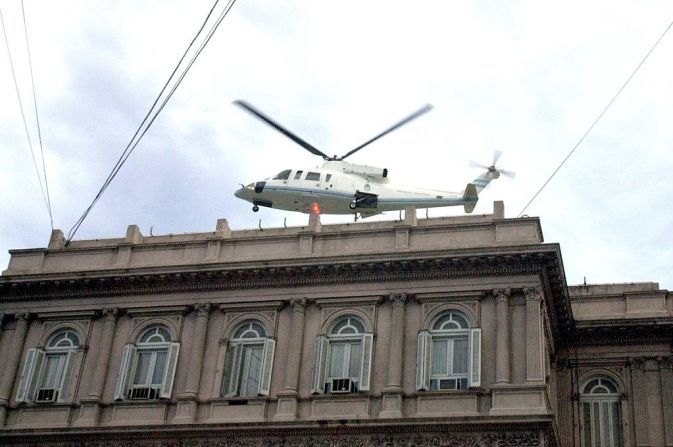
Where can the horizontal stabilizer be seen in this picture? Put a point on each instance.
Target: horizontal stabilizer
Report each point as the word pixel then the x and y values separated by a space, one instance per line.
pixel 471 195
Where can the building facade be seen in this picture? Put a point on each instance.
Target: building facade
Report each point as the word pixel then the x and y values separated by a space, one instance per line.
pixel 433 332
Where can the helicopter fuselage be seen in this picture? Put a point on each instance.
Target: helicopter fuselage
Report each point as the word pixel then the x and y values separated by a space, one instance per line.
pixel 339 187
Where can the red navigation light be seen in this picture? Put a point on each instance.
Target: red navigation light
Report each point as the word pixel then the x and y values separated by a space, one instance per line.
pixel 315 208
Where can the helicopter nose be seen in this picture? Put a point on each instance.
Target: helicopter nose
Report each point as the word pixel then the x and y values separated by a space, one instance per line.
pixel 244 191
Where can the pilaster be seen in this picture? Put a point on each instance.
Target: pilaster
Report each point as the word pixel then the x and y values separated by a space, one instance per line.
pixel 12 363
pixel 502 354
pixel 287 399
pixel 534 337
pixel 392 393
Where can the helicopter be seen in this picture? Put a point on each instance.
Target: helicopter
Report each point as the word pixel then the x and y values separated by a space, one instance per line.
pixel 341 187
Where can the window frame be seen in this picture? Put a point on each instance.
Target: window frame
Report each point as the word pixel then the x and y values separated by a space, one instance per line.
pixel 604 411
pixel 32 383
pixel 322 379
pixel 126 389
pixel 237 362
pixel 426 377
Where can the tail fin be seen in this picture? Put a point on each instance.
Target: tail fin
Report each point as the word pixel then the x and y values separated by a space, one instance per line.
pixel 472 195
pixel 484 179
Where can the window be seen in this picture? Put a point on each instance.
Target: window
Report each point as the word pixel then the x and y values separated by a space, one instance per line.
pixel 47 373
pixel 601 413
pixel 313 176
pixel 283 175
pixel 148 367
pixel 449 354
pixel 328 177
pixel 343 358
pixel 297 175
pixel 248 362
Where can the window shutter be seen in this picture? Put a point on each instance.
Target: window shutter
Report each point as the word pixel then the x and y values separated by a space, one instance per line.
pixel 267 366
pixel 29 375
pixel 475 357
pixel 169 373
pixel 423 361
pixel 367 344
pixel 128 357
pixel 318 376
pixel 233 370
pixel 64 385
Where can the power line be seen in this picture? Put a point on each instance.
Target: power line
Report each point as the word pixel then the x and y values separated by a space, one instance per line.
pixel 23 117
pixel 37 117
pixel 138 135
pixel 600 115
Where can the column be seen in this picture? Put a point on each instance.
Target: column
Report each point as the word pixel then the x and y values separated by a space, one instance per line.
pixel 502 350
pixel 198 345
pixel 534 336
pixel 12 364
pixel 104 348
pixel 287 399
pixel 392 393
pixel 186 410
pixel 297 341
pixel 396 342
pixel 89 411
pixel 655 415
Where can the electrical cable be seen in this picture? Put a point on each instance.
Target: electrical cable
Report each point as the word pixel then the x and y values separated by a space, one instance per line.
pixel 133 143
pixel 23 117
pixel 37 117
pixel 598 118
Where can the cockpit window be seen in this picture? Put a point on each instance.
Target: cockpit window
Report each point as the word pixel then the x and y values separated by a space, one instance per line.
pixel 297 175
pixel 283 175
pixel 313 176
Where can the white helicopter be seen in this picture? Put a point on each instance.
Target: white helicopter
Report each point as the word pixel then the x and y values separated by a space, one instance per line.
pixel 340 187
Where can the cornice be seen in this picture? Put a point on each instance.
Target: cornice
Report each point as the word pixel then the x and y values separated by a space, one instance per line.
pixel 543 260
pixel 504 431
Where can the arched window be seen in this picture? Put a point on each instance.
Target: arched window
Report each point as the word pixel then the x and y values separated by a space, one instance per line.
pixel 47 372
pixel 449 354
pixel 343 358
pixel 148 366
pixel 249 361
pixel 601 413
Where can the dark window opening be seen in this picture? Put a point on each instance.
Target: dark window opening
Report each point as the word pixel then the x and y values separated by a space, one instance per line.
pixel 298 174
pixel 313 176
pixel 283 175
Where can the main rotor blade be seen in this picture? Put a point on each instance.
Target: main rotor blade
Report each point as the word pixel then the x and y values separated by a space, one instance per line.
pixel 496 157
pixel 280 129
pixel 474 164
pixel 413 116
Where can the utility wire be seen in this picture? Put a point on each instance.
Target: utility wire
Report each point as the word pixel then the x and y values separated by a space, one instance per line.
pixel 597 118
pixel 23 116
pixel 142 129
pixel 37 117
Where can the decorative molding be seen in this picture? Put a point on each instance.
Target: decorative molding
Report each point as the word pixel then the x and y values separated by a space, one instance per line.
pixel 153 311
pixel 298 304
pixel 398 299
pixel 255 306
pixel 203 309
pixel 502 295
pixel 443 297
pixel 67 315
pixel 342 436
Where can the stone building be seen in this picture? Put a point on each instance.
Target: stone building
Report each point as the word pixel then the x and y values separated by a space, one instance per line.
pixel 432 332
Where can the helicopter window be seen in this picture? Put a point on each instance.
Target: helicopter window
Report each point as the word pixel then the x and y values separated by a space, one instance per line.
pixel 313 176
pixel 283 175
pixel 297 175
pixel 327 177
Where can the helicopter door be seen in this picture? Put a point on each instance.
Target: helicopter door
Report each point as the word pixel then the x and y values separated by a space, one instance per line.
pixel 364 200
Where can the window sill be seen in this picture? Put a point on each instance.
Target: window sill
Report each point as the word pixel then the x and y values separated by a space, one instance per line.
pixel 238 400
pixel 469 391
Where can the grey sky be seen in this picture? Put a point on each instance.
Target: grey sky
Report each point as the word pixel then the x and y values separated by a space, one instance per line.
pixel 526 78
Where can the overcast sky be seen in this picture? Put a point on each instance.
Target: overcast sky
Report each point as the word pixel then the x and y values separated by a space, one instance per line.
pixel 527 78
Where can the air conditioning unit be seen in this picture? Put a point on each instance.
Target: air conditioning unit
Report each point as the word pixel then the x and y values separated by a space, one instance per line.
pixel 144 393
pixel 343 386
pixel 46 395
